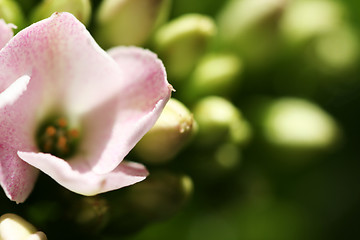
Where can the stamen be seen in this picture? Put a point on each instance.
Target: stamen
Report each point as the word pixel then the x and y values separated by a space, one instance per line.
pixel 62 122
pixel 74 133
pixel 50 131
pixel 56 138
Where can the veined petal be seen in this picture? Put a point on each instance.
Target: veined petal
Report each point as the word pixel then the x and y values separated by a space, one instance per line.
pixel 78 177
pixel 124 120
pixel 6 33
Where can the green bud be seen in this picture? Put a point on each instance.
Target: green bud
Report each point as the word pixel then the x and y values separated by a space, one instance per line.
pixel 220 121
pixel 346 41
pixel 14 227
pixel 160 196
pixel 170 133
pixel 249 27
pixel 129 22
pixel 11 12
pixel 182 42
pixel 81 9
pixel 305 19
pixel 215 74
pixel 296 124
pixel 90 213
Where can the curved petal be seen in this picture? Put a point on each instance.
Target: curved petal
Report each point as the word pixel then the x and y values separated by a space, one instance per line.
pixel 6 33
pixel 80 179
pixel 17 178
pixel 120 123
pixel 73 72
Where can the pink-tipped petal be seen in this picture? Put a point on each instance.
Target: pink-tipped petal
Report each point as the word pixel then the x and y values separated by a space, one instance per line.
pixel 80 179
pixel 122 122
pixel 6 32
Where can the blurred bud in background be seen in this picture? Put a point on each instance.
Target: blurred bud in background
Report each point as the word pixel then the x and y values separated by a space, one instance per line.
pixel 91 214
pixel 215 74
pixel 305 19
pixel 13 227
pixel 81 9
pixel 249 27
pixel 182 42
pixel 11 12
pixel 296 129
pixel 168 136
pixel 321 28
pixel 129 22
pixel 220 121
pixel 157 198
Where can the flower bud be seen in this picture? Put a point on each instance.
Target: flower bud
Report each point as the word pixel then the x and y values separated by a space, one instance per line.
pixel 90 213
pixel 181 42
pixel 81 9
pixel 249 27
pixel 298 126
pixel 220 121
pixel 168 136
pixel 160 196
pixel 319 27
pixel 129 22
pixel 11 12
pixel 157 198
pixel 13 227
pixel 305 19
pixel 215 74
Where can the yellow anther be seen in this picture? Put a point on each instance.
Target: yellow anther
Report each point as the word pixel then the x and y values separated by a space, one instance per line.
pixel 50 131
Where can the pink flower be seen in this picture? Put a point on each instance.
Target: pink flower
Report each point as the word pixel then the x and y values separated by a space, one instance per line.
pixel 73 111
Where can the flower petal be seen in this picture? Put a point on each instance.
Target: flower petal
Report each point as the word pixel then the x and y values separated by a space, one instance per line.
pixel 71 71
pixel 16 177
pixel 120 123
pixel 6 33
pixel 80 179
pixel 14 91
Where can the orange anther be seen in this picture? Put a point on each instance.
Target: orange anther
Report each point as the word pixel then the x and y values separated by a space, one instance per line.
pixel 50 131
pixel 62 122
pixel 74 133
pixel 61 143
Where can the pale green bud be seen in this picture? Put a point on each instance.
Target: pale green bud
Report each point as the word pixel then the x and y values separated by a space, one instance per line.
pixel 81 9
pixel 182 42
pixel 11 12
pixel 298 124
pixel 91 214
pixel 220 121
pixel 250 28
pixel 160 196
pixel 305 19
pixel 171 132
pixel 215 74
pixel 319 26
pixel 129 22
pixel 345 41
pixel 13 227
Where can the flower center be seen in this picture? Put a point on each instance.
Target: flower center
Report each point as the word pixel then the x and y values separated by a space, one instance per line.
pixel 56 137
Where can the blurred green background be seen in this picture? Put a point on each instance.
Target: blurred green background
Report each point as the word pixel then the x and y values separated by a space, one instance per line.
pixel 272 89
